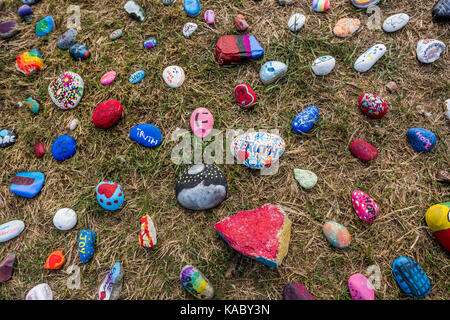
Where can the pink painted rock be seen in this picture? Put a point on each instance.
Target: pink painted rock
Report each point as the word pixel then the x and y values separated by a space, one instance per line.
pixel 296 291
pixel 262 234
pixel 7 267
pixel 209 16
pixel 202 122
pixel 363 150
pixel 366 208
pixel 360 287
pixel 108 78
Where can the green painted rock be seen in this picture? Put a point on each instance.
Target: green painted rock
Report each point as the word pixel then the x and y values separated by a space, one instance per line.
pixel 306 178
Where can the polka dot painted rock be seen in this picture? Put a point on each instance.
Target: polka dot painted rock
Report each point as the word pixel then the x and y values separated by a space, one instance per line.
pixel 86 245
pixel 296 22
pixel 27 184
pixel 336 234
pixel 395 22
pixel 189 28
pixel 368 59
pixel 245 96
pixel 360 287
pixel 240 22
pixel 8 29
pixel 40 292
pixel 306 119
pixel 422 140
pixel 307 179
pixel 109 195
pixel 364 4
pixel 55 261
pixel 202 122
pixel 10 230
pixel 79 52
pixel 67 90
pixel 45 26
pixel 271 71
pixel 147 234
pixel 196 283
pixel 174 76
pixel 108 78
pixel 372 105
pixel 65 219
pixel 116 34
pixel 150 43
pixel 437 218
pixel 429 50
pixel 112 284
pixel 146 135
pixel 366 208
pixel 201 187
pixel 137 77
pixel 296 291
pixel 410 277
pixel 7 138
pixel 107 114
pixel 64 147
pixel 67 39
pixel 363 150
pixel 209 16
pixel 323 65
pixel 346 27
pixel 192 7
pixel 29 62
pixel 320 5
pixel 39 150
pixel 441 10
pixel 26 13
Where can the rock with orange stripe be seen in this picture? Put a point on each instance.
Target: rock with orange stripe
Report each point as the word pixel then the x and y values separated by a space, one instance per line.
pixel 55 261
pixel 147 235
pixel 336 234
pixel 438 220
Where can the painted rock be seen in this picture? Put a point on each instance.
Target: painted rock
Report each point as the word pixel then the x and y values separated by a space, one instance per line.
pixel 45 26
pixel 391 86
pixel 73 124
pixel 116 34
pixel 296 291
pixel 150 43
pixel 447 106
pixel 55 261
pixel 320 5
pixel 323 65
pixel 108 78
pixel 438 220
pixel 25 12
pixel 307 179
pixel 192 7
pixel 364 4
pixel 245 96
pixel 174 76
pixel 196 283
pixel 429 50
pixel 135 11
pixel 443 176
pixel 39 149
pixel 369 58
pixel 112 285
pixel 441 10
pixel 64 147
pixel 422 140
pixel 65 219
pixel 79 52
pixel 86 245
pixel 30 1
pixel 306 119
pixel 10 230
pixel 201 187
pixel 7 267
pixel 168 2
pixel 202 122
pixel 258 150
pixel 67 90
pixel 209 16
pixel 40 292
pixel 7 138
pixel 366 208
pixel 346 27
pixel 284 2
pixel 137 76
pixel 395 22
pixel 146 135
pixel 237 48
pixel 271 71
pixel 67 39
pixel 240 22
pixel 32 105
pixel 410 277
pixel 296 22
pixel 262 234
pixel 360 287
pixel 109 195
pixel 372 105
pixel 27 184
pixel 336 234
pixel 29 62
pixel 189 28
pixel 8 29
pixel 363 150
pixel 107 114
pixel 147 234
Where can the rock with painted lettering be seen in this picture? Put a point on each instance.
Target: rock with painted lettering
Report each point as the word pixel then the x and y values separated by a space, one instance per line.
pixel 437 218
pixel 137 77
pixel 116 34
pixel 134 11
pixel 67 39
pixel 25 12
pixel 441 10
pixel 174 76
pixel 410 277
pixel 363 150
pixel 7 138
pixel 86 245
pixel 67 90
pixel 307 179
pixel 192 7
pixel 27 184
pixel 110 195
pixel 64 147
pixel 245 96
pixel 284 2
pixel 372 105
pixel 39 150
pixel 364 4
pixel 150 42
pixel 305 120
pixel 296 291
pixel 8 29
pixel 323 65
pixel 346 27
pixel 45 26
pixel 336 234
pixel 65 219
pixel 395 22
pixel 189 28
pixel 366 208
pixel 196 283
pixel 11 229
pixel 7 267
pixel 368 59
pixel 360 287
pixel 271 71
pixel 79 52
pixel 147 234
pixel 55 260
pixel 202 122
pixel 422 140
pixel 240 22
pixel 296 22
pixel 40 292
pixel 320 5
pixel 107 114
pixel 209 16
pixel 112 285
pixel 146 135
pixel 108 78
pixel 429 50
pixel 201 187
pixel 29 62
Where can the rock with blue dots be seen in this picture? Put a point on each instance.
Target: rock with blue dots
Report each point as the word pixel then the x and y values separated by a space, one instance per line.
pixel 86 245
pixel 109 195
pixel 422 140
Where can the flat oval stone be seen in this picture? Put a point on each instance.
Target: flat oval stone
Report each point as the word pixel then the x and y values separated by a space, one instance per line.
pixel 429 50
pixel 240 22
pixel 25 12
pixel 10 230
pixel 137 77
pixel 364 4
pixel 55 260
pixel 7 138
pixel 422 140
pixel 45 26
pixel 30 1
pixel 150 43
pixel 306 120
pixel 209 16
pixel 323 65
pixel 189 28
pixel 237 48
pixel 192 7
pixel 27 184
pixel 107 114
pixel 196 283
pixel 40 292
pixel 443 176
pixel 86 245
pixel 79 52
pixel 135 11
pixel 368 59
pixel 284 2
pixel 346 27
pixel 307 179
pixel 360 287
pixel 116 34
pixel 296 291
pixel 201 187
pixel 65 219
pixel 7 267
pixel 366 208
pixel 336 234
pixel 441 10
pixel 437 218
pixel 67 39
pixel 147 234
pixel 110 195
pixel 29 62
pixel 64 147
pixel 202 122
pixel 296 22
pixel 174 76
pixel 372 105
pixel 395 22
pixel 320 5
pixel 146 135
pixel 39 150
pixel 108 78
pixel 112 284
pixel 271 71
pixel 67 90
pixel 410 277
pixel 363 150
pixel 8 29
pixel 245 96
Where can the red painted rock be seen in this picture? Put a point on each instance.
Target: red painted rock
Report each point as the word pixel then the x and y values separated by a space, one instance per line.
pixel 240 22
pixel 245 97
pixel 363 150
pixel 372 105
pixel 39 149
pixel 107 114
pixel 296 291
pixel 55 261
pixel 262 234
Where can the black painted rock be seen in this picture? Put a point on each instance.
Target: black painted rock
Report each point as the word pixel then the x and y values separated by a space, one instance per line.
pixel 7 267
pixel 7 138
pixel 296 291
pixel 441 10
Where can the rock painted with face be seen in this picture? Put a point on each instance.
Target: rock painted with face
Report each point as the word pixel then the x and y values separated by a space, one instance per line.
pixel 360 287
pixel 366 208
pixel 438 220
pixel 323 65
pixel 336 234
pixel 109 195
pixel 368 59
pixel 196 283
pixel 410 277
pixel 296 291
pixel 372 105
pixel 395 22
pixel 346 27
pixel 422 140
pixel 147 234
pixel 112 284
pixel 429 50
pixel 202 122
pixel 245 96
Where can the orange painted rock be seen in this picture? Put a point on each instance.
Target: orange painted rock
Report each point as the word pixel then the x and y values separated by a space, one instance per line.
pixel 336 234
pixel 345 27
pixel 240 22
pixel 55 261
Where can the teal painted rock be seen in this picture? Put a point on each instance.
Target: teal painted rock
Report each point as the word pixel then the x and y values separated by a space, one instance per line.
pixel 307 179
pixel 45 26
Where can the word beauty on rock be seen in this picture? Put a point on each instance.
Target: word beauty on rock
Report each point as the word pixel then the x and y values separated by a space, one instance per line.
pixel 146 135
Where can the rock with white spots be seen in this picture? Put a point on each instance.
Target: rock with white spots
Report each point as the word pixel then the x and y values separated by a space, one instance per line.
pixel 65 219
pixel 323 65
pixel 369 58
pixel 296 22
pixel 395 22
pixel 429 50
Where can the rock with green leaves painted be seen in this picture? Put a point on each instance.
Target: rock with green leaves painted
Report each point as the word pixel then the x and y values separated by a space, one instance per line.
pixel 307 179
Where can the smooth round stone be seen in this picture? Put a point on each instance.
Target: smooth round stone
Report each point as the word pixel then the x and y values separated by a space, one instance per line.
pixel 73 124
pixel 7 267
pixel 55 260
pixel 410 277
pixel 391 86
pixel 363 150
pixel 429 50
pixel 8 29
pixel 360 287
pixel 320 5
pixel 437 217
pixel 79 52
pixel 40 292
pixel 112 284
pixel 365 207
pixel 65 219
pixel 108 78
pixel 284 2
pixel 116 34
pixel 107 114
pixel 45 26
pixel 196 283
pixel 168 2
pixel 271 71
pixel 150 43
pixel 296 22
pixel 135 11
pixel 26 13
pixel 306 120
pixel 372 105
pixel 245 96
pixel 240 22
pixel 323 65
pixel 7 138
pixel 346 27
pixel 30 1
pixel 174 76
pixel 364 4
pixel 67 90
pixel 64 147
pixel 336 234
pixel 447 107
pixel 27 184
pixel 441 10
pixel 109 195
pixel 189 28
pixel 147 234
pixel 369 58
pixel 209 16
pixel 201 187
pixel 307 179
pixel 422 140
pixel 67 39
pixel 39 150
pixel 202 122
pixel 10 230
pixel 29 62
pixel 136 77
pixel 192 7
pixel 86 245
pixel 395 22
pixel 296 291
pixel 146 135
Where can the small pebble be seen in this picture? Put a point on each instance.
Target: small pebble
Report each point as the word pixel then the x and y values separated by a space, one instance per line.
pixel 307 179
pixel 296 22
pixel 73 124
pixel 392 87
pixel 150 43
pixel 209 16
pixel 240 22
pixel 116 34
pixel 39 150
pixel 189 28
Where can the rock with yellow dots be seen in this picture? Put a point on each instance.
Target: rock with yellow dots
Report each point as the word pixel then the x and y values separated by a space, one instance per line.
pixel 438 220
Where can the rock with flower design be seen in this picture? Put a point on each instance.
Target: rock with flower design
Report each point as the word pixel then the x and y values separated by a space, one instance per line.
pixel 366 208
pixel 67 90
pixel 245 96
pixel 55 261
pixel 86 245
pixel 29 62
pixel 372 105
pixel 306 120
pixel 45 26
pixel 107 114
pixel 336 234
pixel 147 235
pixel 363 150
pixel 109 195
pixel 360 287
pixel 422 140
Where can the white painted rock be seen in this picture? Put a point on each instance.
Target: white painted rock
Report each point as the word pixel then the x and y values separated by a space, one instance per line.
pixel 323 65
pixel 189 28
pixel 429 50
pixel 395 22
pixel 369 58
pixel 73 124
pixel 11 230
pixel 40 292
pixel 447 105
pixel 296 22
pixel 65 219
pixel 174 76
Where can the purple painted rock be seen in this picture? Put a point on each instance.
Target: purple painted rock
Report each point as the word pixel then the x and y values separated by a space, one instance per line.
pixel 296 291
pixel 8 29
pixel 366 208
pixel 26 13
pixel 209 16
pixel 360 287
pixel 7 267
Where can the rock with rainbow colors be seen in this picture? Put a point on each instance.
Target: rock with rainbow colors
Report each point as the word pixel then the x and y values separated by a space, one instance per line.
pixel 320 5
pixel 237 48
pixel 360 287
pixel 336 234
pixel 366 208
pixel 437 218
pixel 29 62
pixel 67 90
pixel 364 4
pixel 147 234
pixel 196 283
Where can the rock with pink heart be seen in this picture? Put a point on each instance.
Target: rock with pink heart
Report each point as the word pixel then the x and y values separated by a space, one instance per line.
pixel 109 195
pixel 366 208
pixel 202 122
pixel 360 287
pixel 244 95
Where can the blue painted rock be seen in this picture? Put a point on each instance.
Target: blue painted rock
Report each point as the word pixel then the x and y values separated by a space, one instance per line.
pixel 201 187
pixel 67 90
pixel 26 13
pixel 422 140
pixel 32 105
pixel 79 52
pixel 8 29
pixel 7 267
pixel 192 7
pixel 67 39
pixel 11 230
pixel 7 138
pixel 135 11
pixel 137 76
pixel 30 1
pixel 429 50
pixel 336 234
pixel 27 184
pixel 44 26
pixel 109 195
pixel 262 234
pixel 64 147
pixel 258 150
pixel 237 48
pixel 112 285
pixel 196 283
pixel 271 71
pixel 306 120
pixel 296 291
pixel 40 292
pixel 441 10
pixel 146 135
pixel 410 277
pixel 86 245
pixel 150 43
pixel 168 2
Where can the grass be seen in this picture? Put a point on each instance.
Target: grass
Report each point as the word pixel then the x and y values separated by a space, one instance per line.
pixel 400 180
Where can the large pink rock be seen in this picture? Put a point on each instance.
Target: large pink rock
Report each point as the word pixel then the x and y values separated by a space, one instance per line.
pixel 360 287
pixel 262 234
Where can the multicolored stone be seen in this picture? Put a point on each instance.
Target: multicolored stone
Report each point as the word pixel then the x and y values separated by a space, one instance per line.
pixel 437 218
pixel 196 283
pixel 147 234
pixel 29 62
pixel 237 48
pixel 109 195
pixel 336 234
pixel 67 90
pixel 366 208
pixel 372 105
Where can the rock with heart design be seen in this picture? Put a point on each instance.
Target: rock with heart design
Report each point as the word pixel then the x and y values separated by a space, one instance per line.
pixel 109 195
pixel 27 184
pixel 346 27
pixel 307 179
pixel 135 11
pixel 108 78
pixel 7 138
pixel 422 140
pixel 146 135
pixel 232 49
pixel 437 218
pixel 25 12
pixel 363 150
pixel 8 29
pixel 320 5
pixel 372 105
pixel 366 208
pixel 64 147
pixel 79 52
pixel 150 42
pixel 137 77
pixel 195 282
pixel 368 59
pixel 336 234
pixel 240 22
pixel 202 122
pixel 296 291
pixel 67 90
pixel 10 230
pixel 201 187
pixel 45 26
pixel 39 149
pixel 112 284
pixel 360 287
pixel 364 4
pixel 410 277
pixel 296 22
pixel 305 120
pixel 192 7
pixel 174 76
pixel 65 219
pixel 67 39
pixel 147 234
pixel 272 71
pixel 245 96
pixel 395 22
pixel 29 62
pixel 441 10
pixel 40 292
pixel 116 34
pixel 429 50
pixel 7 267
pixel 323 65
pixel 189 28
pixel 107 114
pixel 55 261
pixel 209 16
pixel 86 245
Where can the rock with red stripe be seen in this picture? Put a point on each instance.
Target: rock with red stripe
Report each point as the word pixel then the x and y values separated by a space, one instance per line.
pixel 147 235
pixel 109 195
pixel 107 114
